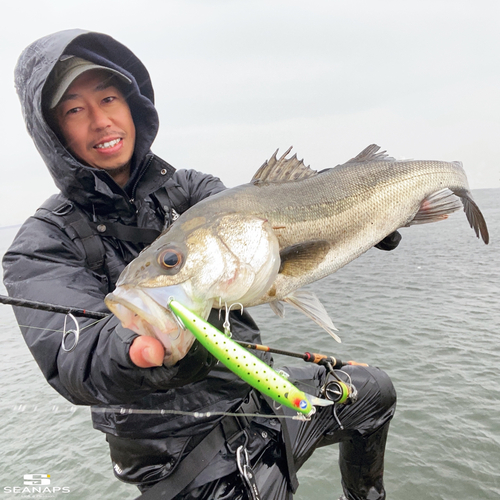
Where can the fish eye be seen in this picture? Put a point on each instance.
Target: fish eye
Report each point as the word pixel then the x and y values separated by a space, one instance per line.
pixel 170 259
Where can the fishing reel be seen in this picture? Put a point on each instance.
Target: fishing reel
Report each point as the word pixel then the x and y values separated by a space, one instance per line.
pixel 338 390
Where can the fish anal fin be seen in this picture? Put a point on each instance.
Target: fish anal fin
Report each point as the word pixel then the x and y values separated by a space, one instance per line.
pixel 300 259
pixel 283 169
pixel 307 303
pixel 278 308
pixel 438 206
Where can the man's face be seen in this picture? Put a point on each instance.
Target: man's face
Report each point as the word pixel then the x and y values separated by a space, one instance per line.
pixel 96 123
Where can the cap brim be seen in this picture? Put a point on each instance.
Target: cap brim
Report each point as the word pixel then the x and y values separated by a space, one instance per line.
pixel 73 74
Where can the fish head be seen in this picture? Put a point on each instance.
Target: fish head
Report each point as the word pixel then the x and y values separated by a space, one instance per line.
pixel 202 262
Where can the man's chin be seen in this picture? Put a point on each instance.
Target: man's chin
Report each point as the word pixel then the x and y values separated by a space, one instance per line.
pixel 120 173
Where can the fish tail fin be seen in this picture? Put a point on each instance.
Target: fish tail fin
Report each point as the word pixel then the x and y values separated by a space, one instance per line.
pixel 474 215
pixel 307 303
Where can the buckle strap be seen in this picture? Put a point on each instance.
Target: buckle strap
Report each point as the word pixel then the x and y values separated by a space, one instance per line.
pixel 228 431
pixel 234 426
pixel 293 482
pixel 189 468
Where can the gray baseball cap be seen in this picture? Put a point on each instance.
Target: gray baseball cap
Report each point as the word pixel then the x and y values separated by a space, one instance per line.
pixel 65 72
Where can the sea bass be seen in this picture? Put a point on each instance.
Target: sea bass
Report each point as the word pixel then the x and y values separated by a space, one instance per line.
pixel 262 241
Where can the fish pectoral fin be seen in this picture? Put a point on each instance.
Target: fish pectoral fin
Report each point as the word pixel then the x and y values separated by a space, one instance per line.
pixel 307 303
pixel 283 169
pixel 300 259
pixel 371 153
pixel 436 207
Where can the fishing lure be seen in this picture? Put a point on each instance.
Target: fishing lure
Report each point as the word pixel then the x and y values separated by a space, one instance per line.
pixel 246 365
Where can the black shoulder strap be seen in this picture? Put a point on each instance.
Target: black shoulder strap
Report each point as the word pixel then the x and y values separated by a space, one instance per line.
pixel 173 196
pixel 126 233
pixel 75 224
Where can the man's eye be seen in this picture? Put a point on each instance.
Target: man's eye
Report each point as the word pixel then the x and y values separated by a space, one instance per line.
pixel 109 99
pixel 72 111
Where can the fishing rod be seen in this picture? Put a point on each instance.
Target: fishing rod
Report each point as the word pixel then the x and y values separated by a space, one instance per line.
pixel 44 306
pixel 337 390
pixel 319 359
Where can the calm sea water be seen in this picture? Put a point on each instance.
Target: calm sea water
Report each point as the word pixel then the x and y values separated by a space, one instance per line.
pixel 427 313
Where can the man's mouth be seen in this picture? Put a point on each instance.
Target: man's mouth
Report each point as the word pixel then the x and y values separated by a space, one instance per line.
pixel 108 145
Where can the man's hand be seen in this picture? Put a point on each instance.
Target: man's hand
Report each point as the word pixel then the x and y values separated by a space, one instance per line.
pixel 389 242
pixel 146 352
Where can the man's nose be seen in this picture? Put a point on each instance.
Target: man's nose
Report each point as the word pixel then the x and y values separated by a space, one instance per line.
pixel 100 119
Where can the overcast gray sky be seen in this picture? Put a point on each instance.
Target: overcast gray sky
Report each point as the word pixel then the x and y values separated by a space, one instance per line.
pixel 235 80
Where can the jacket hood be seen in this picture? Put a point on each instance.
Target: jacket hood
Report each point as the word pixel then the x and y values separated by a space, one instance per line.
pixel 87 186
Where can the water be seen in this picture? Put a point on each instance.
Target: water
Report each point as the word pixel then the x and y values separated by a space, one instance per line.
pixel 427 313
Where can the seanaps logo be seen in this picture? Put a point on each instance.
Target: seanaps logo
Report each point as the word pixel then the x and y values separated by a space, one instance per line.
pixel 36 485
pixel 36 479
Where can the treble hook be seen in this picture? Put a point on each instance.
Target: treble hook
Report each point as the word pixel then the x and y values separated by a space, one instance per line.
pixel 180 324
pixel 76 333
pixel 226 324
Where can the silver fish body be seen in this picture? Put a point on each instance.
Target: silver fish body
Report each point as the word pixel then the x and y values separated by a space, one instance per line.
pixel 261 242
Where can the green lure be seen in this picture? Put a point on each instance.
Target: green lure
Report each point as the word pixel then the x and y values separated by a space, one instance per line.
pixel 247 366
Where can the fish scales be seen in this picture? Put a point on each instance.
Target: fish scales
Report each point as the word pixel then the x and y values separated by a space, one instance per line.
pixel 371 201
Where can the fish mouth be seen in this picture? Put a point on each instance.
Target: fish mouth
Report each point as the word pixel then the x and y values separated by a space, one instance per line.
pixel 141 310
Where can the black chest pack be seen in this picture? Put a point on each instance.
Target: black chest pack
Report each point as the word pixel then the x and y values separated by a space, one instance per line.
pixel 170 202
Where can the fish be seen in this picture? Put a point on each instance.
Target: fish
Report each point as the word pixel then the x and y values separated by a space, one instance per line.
pixel 263 241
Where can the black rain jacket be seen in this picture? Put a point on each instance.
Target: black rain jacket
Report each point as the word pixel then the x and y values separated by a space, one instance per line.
pixel 45 264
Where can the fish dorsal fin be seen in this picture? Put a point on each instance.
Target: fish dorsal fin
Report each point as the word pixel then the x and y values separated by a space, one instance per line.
pixel 283 169
pixel 371 154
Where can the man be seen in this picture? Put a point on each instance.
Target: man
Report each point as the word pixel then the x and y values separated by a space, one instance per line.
pixel 89 107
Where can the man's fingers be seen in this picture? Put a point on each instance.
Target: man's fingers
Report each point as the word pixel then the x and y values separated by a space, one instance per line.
pixel 146 352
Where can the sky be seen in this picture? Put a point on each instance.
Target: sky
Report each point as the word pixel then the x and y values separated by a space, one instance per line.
pixel 235 80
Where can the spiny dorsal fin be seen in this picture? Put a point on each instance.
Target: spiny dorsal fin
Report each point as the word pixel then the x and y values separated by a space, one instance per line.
pixel 370 154
pixel 283 169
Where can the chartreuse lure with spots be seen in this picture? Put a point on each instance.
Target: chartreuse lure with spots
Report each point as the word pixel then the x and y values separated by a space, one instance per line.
pixel 247 366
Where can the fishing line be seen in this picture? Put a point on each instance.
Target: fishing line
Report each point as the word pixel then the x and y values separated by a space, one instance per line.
pixel 336 391
pixel 60 331
pixel 25 408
